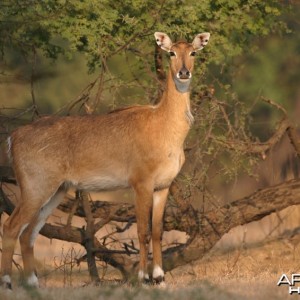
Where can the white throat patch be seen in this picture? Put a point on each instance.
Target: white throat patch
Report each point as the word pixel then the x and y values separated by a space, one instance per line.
pixel 182 87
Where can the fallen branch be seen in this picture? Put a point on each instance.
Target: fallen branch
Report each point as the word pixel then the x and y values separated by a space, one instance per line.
pixel 215 223
pixel 208 228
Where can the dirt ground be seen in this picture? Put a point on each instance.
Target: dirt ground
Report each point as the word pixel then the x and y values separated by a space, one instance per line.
pixel 244 273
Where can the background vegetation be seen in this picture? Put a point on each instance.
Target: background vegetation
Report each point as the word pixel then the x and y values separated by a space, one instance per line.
pixel 78 57
pixel 51 50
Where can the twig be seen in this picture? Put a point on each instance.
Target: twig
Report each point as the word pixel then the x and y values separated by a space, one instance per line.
pixel 34 105
pixel 251 147
pixel 276 105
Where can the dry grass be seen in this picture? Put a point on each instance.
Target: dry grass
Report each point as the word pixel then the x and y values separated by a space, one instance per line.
pixel 250 273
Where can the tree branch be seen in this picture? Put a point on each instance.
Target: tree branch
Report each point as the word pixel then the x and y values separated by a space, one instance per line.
pixel 88 236
pixel 211 225
pixel 294 138
pixel 260 147
pixel 215 223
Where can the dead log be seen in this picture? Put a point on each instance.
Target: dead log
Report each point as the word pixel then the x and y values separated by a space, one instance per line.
pixel 215 223
pixel 212 225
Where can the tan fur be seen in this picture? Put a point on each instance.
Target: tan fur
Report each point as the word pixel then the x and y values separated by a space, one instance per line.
pixel 139 147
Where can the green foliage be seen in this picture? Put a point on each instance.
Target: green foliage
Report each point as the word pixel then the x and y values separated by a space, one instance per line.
pixel 116 40
pixel 101 29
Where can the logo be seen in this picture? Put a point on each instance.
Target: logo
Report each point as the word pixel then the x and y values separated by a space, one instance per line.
pixel 291 282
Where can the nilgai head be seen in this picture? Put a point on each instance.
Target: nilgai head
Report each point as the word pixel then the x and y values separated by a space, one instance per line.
pixel 182 56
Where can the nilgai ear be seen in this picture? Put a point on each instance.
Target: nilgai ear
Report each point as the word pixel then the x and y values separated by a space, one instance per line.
pixel 163 41
pixel 201 40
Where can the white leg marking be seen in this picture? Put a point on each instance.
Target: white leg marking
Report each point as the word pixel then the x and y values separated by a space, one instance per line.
pixel 22 229
pixel 156 199
pixel 158 272
pixel 143 275
pixel 9 149
pixel 32 280
pixel 36 230
pixel 6 279
pixel 45 212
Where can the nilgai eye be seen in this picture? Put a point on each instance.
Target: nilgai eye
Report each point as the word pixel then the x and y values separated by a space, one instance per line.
pixel 172 53
pixel 193 53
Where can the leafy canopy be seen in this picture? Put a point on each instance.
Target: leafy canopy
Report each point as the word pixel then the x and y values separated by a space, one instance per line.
pixel 110 32
pixel 103 28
